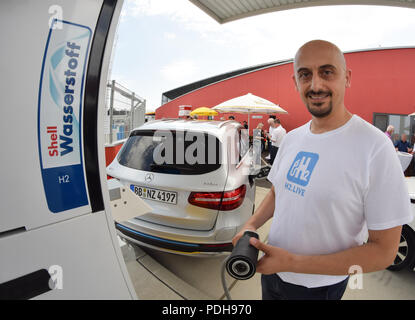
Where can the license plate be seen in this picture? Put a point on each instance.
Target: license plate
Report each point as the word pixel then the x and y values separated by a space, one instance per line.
pixel 155 194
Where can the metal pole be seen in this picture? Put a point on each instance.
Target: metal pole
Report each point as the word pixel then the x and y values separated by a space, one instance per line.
pixel 111 108
pixel 249 128
pixel 132 112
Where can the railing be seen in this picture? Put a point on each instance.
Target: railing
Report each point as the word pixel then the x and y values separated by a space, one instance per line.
pixel 125 111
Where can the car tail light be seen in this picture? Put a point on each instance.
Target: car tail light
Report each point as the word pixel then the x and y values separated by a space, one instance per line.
pixel 233 199
pixel 111 177
pixel 224 201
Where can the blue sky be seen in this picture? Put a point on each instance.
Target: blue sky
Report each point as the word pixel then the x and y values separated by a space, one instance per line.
pixel 164 44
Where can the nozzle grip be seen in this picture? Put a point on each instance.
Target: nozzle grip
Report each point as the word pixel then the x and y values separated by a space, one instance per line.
pixel 242 262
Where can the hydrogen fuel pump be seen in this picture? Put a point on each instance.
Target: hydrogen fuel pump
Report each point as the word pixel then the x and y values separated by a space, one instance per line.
pixel 57 236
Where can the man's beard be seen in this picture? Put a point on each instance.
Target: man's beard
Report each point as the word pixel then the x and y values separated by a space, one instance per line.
pixel 317 112
pixel 320 113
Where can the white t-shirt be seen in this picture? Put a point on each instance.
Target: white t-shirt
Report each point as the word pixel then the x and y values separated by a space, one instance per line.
pixel 331 188
pixel 277 136
pixel 271 130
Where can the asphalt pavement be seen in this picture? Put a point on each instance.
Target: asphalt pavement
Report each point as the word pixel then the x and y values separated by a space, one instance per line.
pixel 164 276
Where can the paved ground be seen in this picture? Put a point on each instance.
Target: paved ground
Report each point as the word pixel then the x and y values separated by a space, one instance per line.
pixel 165 276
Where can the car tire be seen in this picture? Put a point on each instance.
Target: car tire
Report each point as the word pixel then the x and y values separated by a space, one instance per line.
pixel 406 250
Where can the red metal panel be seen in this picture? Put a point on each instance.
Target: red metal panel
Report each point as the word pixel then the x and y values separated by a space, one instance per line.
pixel 382 81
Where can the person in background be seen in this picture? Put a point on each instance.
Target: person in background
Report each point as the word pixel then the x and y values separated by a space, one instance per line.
pixel 245 124
pixel 271 148
pixel 260 135
pixel 277 136
pixel 389 131
pixel 403 145
pixel 269 131
pixel 231 118
pixel 395 138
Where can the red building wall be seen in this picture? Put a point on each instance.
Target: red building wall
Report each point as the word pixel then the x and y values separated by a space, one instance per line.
pixel 382 82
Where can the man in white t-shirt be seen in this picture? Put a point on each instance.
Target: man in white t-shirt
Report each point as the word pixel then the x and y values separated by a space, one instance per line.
pixel 331 191
pixel 277 136
pixel 271 147
pixel 271 124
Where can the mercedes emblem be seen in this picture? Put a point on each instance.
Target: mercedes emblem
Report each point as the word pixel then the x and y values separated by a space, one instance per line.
pixel 149 177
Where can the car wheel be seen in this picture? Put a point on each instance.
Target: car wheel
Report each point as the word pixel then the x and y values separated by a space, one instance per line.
pixel 406 251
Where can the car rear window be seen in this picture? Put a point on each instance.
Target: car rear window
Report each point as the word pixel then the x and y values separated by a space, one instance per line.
pixel 171 152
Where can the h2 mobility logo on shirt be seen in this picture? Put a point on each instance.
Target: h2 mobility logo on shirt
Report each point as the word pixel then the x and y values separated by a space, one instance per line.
pixel 300 172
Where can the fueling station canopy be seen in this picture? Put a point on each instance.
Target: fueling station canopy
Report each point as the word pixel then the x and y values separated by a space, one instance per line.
pixel 229 10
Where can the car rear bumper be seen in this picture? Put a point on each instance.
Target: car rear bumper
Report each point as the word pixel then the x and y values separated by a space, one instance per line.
pixel 171 245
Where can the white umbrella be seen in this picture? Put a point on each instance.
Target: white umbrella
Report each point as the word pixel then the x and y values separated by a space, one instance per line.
pixel 249 103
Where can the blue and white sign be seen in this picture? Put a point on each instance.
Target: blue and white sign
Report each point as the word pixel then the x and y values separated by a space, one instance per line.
pixel 59 116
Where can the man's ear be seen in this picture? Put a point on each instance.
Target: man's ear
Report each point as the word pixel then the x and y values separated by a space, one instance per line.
pixel 348 78
pixel 295 82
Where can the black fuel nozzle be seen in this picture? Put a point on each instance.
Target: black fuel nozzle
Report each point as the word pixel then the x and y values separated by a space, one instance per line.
pixel 241 264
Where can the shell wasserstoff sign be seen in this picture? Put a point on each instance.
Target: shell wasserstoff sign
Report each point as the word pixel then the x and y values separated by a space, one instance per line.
pixel 59 116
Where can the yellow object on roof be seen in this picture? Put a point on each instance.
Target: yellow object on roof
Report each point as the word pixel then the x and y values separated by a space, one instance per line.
pixel 203 111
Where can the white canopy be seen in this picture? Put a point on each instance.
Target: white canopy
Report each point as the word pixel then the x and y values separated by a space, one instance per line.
pixel 249 103
pixel 228 10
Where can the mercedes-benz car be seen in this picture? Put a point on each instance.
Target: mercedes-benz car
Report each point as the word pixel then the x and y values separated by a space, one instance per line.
pixel 195 175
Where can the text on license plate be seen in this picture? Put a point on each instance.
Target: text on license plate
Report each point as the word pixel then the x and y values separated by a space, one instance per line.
pixel 155 194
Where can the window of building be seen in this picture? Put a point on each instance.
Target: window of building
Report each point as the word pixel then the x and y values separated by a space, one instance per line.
pixel 402 122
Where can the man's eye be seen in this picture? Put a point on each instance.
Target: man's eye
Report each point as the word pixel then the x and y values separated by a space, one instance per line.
pixel 304 75
pixel 328 72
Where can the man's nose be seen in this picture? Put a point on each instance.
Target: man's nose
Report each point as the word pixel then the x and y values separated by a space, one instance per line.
pixel 316 83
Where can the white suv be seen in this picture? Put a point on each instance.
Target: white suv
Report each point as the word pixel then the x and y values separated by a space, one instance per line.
pixel 195 177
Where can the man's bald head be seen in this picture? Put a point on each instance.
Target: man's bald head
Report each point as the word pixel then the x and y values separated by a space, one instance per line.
pixel 318 47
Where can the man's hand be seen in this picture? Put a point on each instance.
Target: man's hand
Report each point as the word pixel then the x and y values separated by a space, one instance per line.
pixel 377 254
pixel 241 233
pixel 274 259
